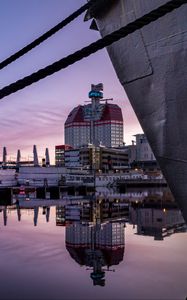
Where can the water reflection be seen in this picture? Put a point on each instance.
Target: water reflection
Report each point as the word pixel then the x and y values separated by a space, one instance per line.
pixel 157 222
pixel 149 211
pixel 95 226
pixel 4 210
pixel 96 246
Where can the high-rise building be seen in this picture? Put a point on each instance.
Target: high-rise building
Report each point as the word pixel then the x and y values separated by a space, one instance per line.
pixel 98 122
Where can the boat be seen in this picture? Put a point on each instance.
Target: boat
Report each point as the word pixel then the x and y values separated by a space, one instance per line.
pixel 151 65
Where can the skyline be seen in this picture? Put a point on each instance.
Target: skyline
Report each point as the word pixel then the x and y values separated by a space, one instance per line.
pixel 36 114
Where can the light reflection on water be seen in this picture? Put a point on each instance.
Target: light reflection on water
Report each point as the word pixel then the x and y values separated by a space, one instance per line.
pixel 114 246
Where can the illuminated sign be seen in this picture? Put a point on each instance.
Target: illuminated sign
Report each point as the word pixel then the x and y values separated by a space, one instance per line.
pixel 94 94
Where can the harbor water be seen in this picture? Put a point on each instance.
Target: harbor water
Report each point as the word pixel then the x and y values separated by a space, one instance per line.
pixel 104 246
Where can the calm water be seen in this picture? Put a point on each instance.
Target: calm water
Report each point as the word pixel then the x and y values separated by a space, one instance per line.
pixel 130 246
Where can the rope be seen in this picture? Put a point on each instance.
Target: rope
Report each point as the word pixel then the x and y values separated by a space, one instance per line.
pixel 92 48
pixel 45 36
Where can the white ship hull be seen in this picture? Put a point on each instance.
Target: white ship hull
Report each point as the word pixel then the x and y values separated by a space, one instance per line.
pixel 151 66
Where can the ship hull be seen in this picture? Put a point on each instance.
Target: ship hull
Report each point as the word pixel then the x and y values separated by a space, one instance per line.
pixel 151 66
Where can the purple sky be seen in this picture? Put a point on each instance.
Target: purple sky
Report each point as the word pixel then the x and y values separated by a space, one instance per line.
pixel 36 114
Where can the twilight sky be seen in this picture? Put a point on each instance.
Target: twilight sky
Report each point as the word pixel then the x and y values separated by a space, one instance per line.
pixel 36 114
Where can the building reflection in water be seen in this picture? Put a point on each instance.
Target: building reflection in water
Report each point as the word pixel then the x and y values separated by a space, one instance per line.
pixel 5 215
pixel 96 245
pixel 151 212
pixel 157 215
pixel 95 227
pixel 95 231
pixel 95 234
pixel 157 222
pixel 33 210
pixel 18 211
pixel 36 210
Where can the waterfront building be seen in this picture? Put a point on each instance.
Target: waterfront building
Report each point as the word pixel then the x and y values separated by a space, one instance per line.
pixel 141 156
pixel 38 176
pixel 97 158
pixel 72 158
pixel 143 149
pixel 95 123
pixel 113 159
pixel 148 166
pixel 145 158
pixel 130 150
pixel 139 151
pixel 59 154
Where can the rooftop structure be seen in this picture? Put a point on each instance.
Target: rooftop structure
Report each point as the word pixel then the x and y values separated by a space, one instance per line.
pixel 95 123
pixel 143 149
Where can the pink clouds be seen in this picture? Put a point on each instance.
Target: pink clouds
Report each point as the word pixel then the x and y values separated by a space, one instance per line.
pixel 36 114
